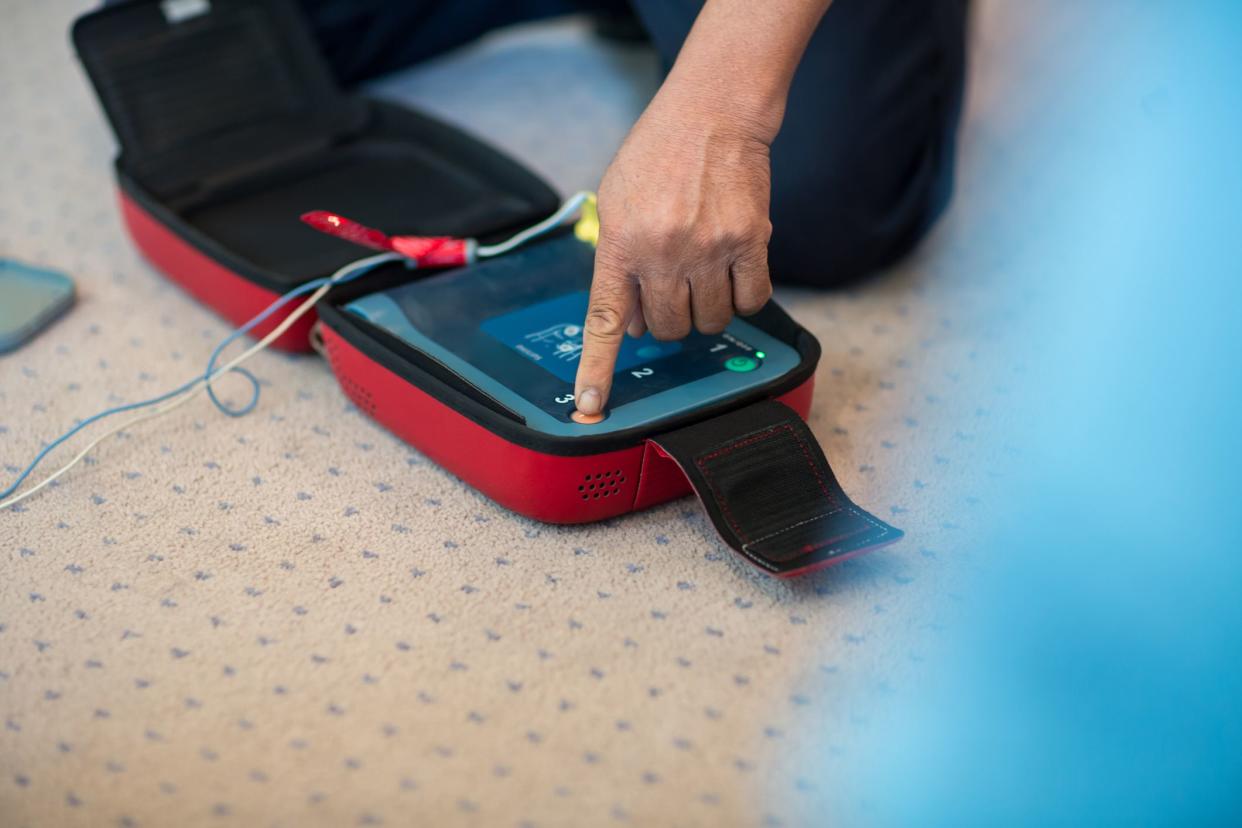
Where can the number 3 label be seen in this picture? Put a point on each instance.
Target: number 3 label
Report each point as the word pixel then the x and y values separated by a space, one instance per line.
pixel 565 398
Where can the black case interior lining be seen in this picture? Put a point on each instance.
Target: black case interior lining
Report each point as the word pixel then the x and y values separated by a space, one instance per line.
pixel 230 121
pixel 404 176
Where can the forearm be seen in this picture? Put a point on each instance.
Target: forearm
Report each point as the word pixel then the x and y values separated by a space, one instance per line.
pixel 683 207
pixel 740 57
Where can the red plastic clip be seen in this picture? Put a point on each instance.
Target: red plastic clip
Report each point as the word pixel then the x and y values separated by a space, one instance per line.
pixel 426 251
pixel 433 251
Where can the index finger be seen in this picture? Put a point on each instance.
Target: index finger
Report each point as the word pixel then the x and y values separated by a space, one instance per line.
pixel 614 296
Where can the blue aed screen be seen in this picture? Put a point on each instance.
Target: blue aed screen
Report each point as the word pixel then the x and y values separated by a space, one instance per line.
pixel 549 334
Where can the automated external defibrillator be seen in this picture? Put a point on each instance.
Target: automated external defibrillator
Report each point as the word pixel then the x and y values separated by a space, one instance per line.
pixel 512 329
pixel 462 334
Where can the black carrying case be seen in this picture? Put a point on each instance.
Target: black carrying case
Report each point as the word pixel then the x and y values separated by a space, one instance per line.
pixel 230 126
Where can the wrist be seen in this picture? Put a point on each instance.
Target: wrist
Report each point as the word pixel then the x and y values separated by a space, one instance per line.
pixel 716 106
pixel 739 60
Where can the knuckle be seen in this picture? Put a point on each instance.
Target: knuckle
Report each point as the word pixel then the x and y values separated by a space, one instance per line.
pixel 611 253
pixel 709 279
pixel 671 329
pixel 737 235
pixel 660 290
pixel 709 238
pixel 761 230
pixel 605 319
pixel 667 233
pixel 713 325
pixel 667 241
pixel 753 301
pixel 741 234
pixel 752 261
pixel 753 235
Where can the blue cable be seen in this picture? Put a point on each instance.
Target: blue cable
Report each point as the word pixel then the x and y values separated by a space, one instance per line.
pixel 345 274
pixel 309 287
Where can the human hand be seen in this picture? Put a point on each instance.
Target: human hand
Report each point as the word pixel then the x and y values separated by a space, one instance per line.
pixel 684 233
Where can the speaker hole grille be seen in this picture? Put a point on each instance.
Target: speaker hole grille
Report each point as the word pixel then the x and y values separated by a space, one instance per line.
pixel 601 484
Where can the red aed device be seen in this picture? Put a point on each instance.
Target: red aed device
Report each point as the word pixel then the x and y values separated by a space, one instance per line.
pixel 231 127
pixel 475 368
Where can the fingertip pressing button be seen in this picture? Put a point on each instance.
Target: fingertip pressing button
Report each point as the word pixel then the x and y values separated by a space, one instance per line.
pixel 586 419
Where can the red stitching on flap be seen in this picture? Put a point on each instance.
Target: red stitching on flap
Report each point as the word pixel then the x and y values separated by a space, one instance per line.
pixel 711 482
pixel 754 438
pixel 751 440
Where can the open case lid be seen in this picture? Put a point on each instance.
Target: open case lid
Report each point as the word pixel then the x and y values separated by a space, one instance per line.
pixel 197 87
pixel 231 125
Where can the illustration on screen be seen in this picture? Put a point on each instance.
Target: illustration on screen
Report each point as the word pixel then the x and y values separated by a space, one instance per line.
pixel 542 334
pixel 563 342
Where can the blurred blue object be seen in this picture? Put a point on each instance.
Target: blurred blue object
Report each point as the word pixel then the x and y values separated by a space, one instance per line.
pixel 1095 676
pixel 31 298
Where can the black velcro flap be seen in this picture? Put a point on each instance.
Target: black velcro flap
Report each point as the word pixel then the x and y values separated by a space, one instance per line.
pixel 770 492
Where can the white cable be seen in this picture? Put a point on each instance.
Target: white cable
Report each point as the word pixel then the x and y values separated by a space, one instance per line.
pixel 571 205
pixel 568 208
pixel 201 383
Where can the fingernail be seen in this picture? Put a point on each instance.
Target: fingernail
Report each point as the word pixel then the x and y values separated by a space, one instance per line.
pixel 589 401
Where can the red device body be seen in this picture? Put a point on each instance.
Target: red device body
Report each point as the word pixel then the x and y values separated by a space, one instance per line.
pixel 547 487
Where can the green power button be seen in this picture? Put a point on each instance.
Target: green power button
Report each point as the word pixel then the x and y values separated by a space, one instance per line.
pixel 741 364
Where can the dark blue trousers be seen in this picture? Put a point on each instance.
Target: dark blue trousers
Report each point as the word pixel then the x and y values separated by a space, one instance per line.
pixel 864 161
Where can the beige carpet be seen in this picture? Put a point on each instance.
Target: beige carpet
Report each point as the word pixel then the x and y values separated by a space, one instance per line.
pixel 294 619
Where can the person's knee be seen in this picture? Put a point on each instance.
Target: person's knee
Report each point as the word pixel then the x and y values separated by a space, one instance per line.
pixel 836 223
pixel 860 169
